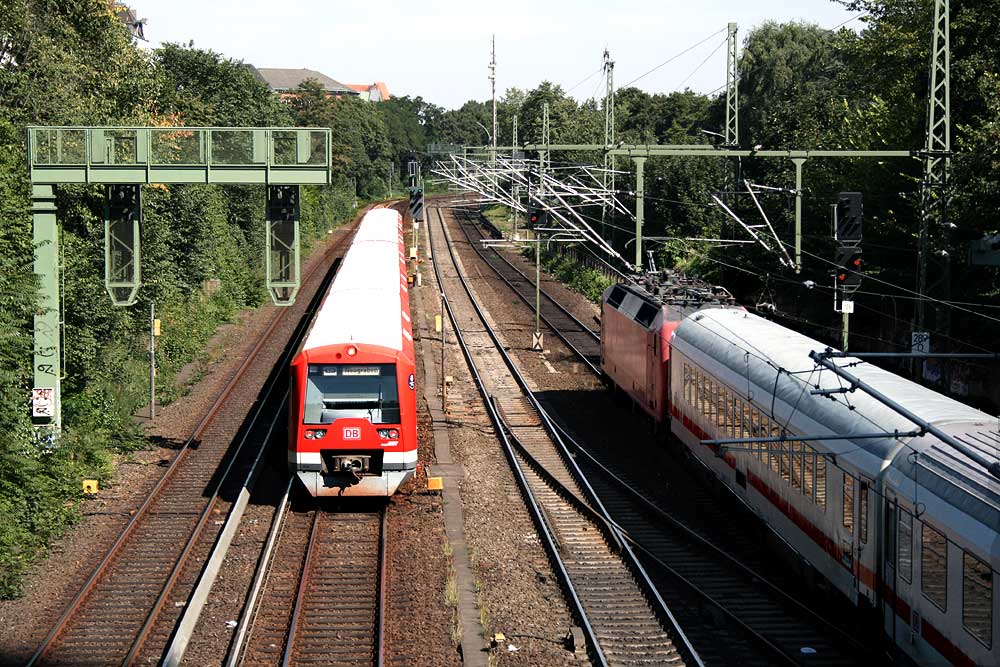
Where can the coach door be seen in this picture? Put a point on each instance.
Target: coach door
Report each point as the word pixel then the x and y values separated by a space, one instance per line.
pixel 897 561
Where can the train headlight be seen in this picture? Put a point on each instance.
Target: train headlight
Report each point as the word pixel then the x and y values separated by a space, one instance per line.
pixel 351 350
pixel 315 434
pixel 388 433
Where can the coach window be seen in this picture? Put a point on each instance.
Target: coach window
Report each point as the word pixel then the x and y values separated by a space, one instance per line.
pixel 786 462
pixel 722 408
pixel 809 472
pixel 687 383
pixel 797 456
pixel 735 408
pixel 763 430
pixel 863 511
pixel 699 384
pixel 821 481
pixel 977 598
pixel 934 566
pixel 848 502
pixel 746 419
pixel 904 563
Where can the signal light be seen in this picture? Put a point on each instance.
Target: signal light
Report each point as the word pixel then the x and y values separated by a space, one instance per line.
pixel 849 267
pixel 536 217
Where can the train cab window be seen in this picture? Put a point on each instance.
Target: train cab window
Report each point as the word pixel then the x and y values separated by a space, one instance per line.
pixel 848 502
pixel 977 598
pixel 616 296
pixel 366 391
pixel 646 314
pixel 934 566
pixel 904 537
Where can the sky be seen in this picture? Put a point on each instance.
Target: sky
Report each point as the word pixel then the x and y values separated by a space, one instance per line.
pixel 440 49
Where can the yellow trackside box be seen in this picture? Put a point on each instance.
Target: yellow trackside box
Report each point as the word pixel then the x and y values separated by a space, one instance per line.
pixel 435 484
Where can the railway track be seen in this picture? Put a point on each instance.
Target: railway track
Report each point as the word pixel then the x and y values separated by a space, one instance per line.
pixel 127 610
pixel 623 617
pixel 768 625
pixel 317 598
pixel 580 338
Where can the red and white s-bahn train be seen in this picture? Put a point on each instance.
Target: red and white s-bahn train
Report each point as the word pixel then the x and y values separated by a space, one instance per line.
pixel 906 528
pixel 352 418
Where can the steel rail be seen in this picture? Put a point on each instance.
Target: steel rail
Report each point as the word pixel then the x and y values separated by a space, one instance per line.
pixel 701 540
pixel 260 576
pixel 296 625
pixel 533 504
pixel 481 252
pixel 629 558
pixel 380 610
pixel 76 603
pixel 529 302
pixel 300 596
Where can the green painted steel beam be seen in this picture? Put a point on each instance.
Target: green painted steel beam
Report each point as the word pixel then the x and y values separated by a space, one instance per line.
pixel 46 408
pixel 705 150
pixel 267 155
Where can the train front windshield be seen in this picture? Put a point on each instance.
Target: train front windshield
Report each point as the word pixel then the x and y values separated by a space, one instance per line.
pixel 367 391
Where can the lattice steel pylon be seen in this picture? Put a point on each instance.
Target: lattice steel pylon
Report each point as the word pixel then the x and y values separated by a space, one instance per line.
pixel 543 156
pixel 934 195
pixel 732 133
pixel 732 130
pixel 608 181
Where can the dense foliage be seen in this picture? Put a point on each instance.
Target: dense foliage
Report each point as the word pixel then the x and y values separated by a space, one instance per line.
pixel 76 64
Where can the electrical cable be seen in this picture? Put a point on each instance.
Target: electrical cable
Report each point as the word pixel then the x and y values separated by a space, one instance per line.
pixel 673 58
pixel 584 80
pixel 701 64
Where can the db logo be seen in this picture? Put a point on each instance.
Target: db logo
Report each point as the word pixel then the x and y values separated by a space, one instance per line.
pixel 352 433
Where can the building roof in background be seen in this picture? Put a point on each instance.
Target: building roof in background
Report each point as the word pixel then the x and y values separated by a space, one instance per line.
pixel 287 80
pixel 377 91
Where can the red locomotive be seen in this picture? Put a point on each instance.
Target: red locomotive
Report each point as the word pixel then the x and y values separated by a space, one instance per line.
pixel 637 322
pixel 352 416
